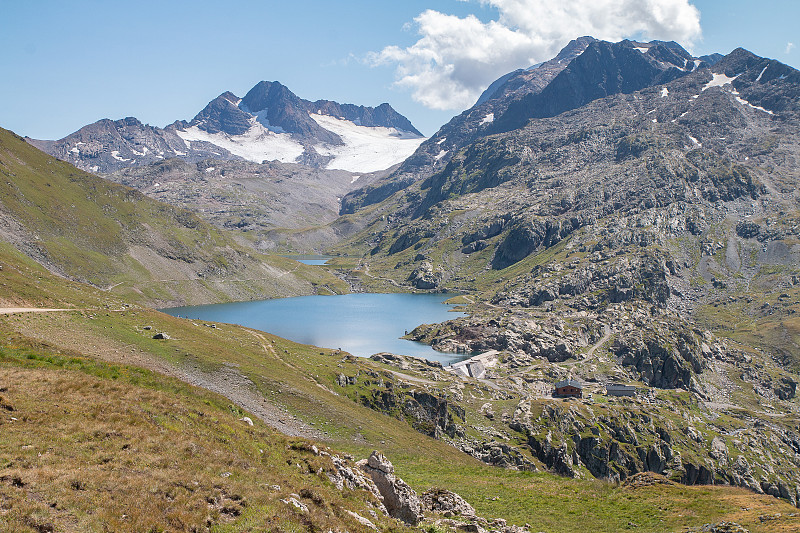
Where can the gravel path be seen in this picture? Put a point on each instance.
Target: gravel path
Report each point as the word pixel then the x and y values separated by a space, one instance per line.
pixel 227 381
pixel 11 310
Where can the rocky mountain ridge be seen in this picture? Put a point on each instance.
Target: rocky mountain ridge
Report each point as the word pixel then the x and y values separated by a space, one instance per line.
pixel 645 236
pixel 269 123
pixel 584 70
pixel 266 206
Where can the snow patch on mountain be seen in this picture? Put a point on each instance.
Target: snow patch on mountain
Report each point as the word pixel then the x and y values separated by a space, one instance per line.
pixel 718 80
pixel 756 107
pixel 258 144
pixel 365 149
pixel 115 155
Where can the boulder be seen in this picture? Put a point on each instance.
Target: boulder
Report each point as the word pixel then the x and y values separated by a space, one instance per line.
pixel 447 503
pixel 401 501
pixel 353 478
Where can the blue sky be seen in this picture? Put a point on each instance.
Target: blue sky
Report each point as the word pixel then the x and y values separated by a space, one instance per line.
pixel 67 64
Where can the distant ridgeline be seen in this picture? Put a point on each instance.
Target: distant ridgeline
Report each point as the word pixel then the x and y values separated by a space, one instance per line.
pixel 269 124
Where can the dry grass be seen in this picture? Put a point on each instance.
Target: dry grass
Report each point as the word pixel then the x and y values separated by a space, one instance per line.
pixel 84 449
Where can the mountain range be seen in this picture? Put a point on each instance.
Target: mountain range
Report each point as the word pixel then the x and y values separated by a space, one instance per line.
pixel 631 218
pixel 584 70
pixel 270 123
pixel 623 213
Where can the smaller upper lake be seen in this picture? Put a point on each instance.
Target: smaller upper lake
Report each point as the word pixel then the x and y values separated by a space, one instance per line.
pixel 362 324
pixel 310 259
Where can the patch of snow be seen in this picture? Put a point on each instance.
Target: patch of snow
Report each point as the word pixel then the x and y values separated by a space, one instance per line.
pixel 79 143
pixel 210 169
pixel 655 121
pixel 440 155
pixel 641 49
pixel 178 152
pixel 74 149
pixel 695 97
pixel 718 80
pixel 355 178
pixel 683 114
pixel 94 168
pixel 366 149
pixel 697 143
pixel 156 184
pixel 115 155
pixel 664 92
pixel 144 152
pixel 257 144
pixel 488 119
pixel 261 117
pixel 696 64
pixel 758 79
pixel 443 139
pixel 758 108
pixel 651 111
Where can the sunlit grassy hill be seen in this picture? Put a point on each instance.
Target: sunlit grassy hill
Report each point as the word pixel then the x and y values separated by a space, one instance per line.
pixel 113 237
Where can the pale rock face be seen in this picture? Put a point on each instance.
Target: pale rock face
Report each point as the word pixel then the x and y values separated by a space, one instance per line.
pixel 401 501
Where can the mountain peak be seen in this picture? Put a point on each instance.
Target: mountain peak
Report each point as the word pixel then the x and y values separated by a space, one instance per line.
pixel 270 123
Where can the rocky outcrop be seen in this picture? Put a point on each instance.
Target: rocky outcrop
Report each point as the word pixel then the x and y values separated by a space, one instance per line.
pixel 400 500
pixel 424 277
pixel 498 454
pixel 447 503
pixel 662 362
pixel 345 476
pixel 786 388
pixel 432 413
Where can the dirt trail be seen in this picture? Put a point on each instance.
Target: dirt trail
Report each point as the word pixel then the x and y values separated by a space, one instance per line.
pixel 598 344
pixel 239 389
pixel 11 310
pixel 228 381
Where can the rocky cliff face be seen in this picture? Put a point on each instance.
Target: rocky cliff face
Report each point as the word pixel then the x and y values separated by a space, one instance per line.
pixel 585 70
pixel 639 224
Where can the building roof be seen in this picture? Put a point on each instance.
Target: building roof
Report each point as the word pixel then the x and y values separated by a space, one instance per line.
pixel 619 386
pixel 569 383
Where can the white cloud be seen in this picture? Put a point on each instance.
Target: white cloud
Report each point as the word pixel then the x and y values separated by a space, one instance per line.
pixel 456 58
pixel 789 47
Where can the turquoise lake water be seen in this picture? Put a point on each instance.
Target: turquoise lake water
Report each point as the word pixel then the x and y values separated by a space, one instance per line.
pixel 362 324
pixel 310 259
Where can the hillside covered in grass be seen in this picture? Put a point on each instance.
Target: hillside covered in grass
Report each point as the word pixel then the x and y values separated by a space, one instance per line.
pixel 113 237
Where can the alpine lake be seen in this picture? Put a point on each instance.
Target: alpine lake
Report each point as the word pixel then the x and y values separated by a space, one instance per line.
pixel 362 324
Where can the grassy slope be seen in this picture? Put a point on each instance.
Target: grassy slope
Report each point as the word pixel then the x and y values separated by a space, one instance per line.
pixel 301 379
pixel 112 236
pixel 89 446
